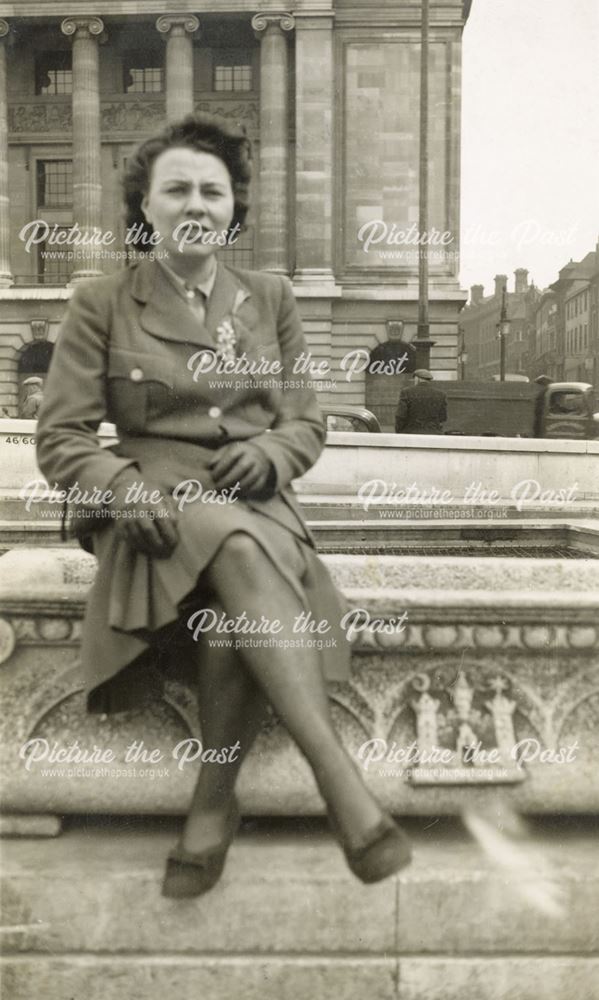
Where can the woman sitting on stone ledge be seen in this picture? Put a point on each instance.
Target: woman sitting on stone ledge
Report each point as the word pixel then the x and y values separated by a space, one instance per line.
pixel 140 348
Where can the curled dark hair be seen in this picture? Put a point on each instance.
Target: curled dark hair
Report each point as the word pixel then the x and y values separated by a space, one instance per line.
pixel 202 132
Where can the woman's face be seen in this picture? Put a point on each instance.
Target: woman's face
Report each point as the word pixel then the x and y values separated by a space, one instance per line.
pixel 189 186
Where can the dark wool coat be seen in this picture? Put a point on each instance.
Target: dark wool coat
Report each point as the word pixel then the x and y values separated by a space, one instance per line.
pixel 422 409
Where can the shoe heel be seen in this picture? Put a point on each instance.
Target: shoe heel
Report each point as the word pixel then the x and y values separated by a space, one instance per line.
pixel 386 850
pixel 189 873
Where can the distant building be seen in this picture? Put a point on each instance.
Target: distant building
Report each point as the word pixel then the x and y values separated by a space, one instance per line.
pixel 594 326
pixel 577 340
pixel 542 351
pixel 479 326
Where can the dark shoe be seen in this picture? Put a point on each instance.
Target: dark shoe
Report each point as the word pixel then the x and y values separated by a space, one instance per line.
pixel 385 851
pixel 190 873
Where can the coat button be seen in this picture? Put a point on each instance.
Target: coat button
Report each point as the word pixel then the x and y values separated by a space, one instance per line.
pixel 136 374
pixel 215 412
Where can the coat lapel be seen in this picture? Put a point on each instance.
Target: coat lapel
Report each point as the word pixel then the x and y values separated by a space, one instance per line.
pixel 227 296
pixel 165 313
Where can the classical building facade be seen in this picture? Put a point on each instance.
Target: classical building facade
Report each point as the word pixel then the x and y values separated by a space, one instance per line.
pixel 328 90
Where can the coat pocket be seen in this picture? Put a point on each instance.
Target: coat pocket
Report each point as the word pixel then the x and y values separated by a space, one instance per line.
pixel 140 386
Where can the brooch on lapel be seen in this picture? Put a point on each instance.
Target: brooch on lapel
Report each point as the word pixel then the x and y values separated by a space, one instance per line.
pixel 226 340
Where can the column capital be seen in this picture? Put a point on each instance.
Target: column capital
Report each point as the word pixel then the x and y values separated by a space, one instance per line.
pixel 177 24
pixel 82 27
pixel 4 27
pixel 281 21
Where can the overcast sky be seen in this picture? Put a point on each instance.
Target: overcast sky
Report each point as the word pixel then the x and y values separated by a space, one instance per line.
pixel 530 152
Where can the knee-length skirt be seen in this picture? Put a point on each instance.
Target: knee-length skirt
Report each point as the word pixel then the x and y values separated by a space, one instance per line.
pixel 135 621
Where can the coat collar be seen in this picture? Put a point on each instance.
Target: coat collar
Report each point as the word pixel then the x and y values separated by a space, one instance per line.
pixel 167 315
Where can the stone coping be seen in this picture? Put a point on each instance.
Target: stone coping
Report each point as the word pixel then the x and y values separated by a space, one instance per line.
pixel 436 572
pixel 19 425
pixel 301 290
pixel 53 573
pixel 31 293
pixel 441 442
pixel 568 518
pixel 433 442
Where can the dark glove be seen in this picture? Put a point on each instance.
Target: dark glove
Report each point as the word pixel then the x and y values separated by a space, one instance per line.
pixel 145 518
pixel 244 463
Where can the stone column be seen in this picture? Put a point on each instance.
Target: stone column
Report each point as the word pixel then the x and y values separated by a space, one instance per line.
pixel 87 186
pixel 315 100
pixel 273 253
pixel 5 272
pixel 178 29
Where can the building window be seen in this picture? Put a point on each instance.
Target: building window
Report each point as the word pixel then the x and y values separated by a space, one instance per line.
pixel 241 252
pixel 53 73
pixel 143 75
pixel 232 71
pixel 54 180
pixel 53 264
pixel 54 187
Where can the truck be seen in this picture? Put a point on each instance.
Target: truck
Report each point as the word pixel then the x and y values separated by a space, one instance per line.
pixel 498 409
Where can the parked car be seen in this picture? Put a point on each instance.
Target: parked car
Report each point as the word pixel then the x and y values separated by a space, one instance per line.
pixel 351 418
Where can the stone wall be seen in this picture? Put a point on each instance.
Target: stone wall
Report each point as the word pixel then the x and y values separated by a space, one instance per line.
pixel 515 643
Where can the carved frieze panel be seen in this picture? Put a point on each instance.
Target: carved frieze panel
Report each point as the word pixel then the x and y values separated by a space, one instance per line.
pixel 121 116
pixel 38 117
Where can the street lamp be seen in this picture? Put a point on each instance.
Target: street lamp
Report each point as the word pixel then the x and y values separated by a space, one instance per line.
pixel 423 343
pixel 503 328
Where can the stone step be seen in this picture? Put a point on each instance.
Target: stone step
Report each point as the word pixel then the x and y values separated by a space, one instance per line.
pixel 577 539
pixel 328 505
pixel 341 529
pixel 83 916
pixel 340 506
pixel 268 977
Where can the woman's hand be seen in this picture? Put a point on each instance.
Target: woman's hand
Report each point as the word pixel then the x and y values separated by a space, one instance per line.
pixel 148 523
pixel 243 463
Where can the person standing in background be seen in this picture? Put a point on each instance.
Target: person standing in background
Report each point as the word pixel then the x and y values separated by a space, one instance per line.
pixel 421 408
pixel 34 398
